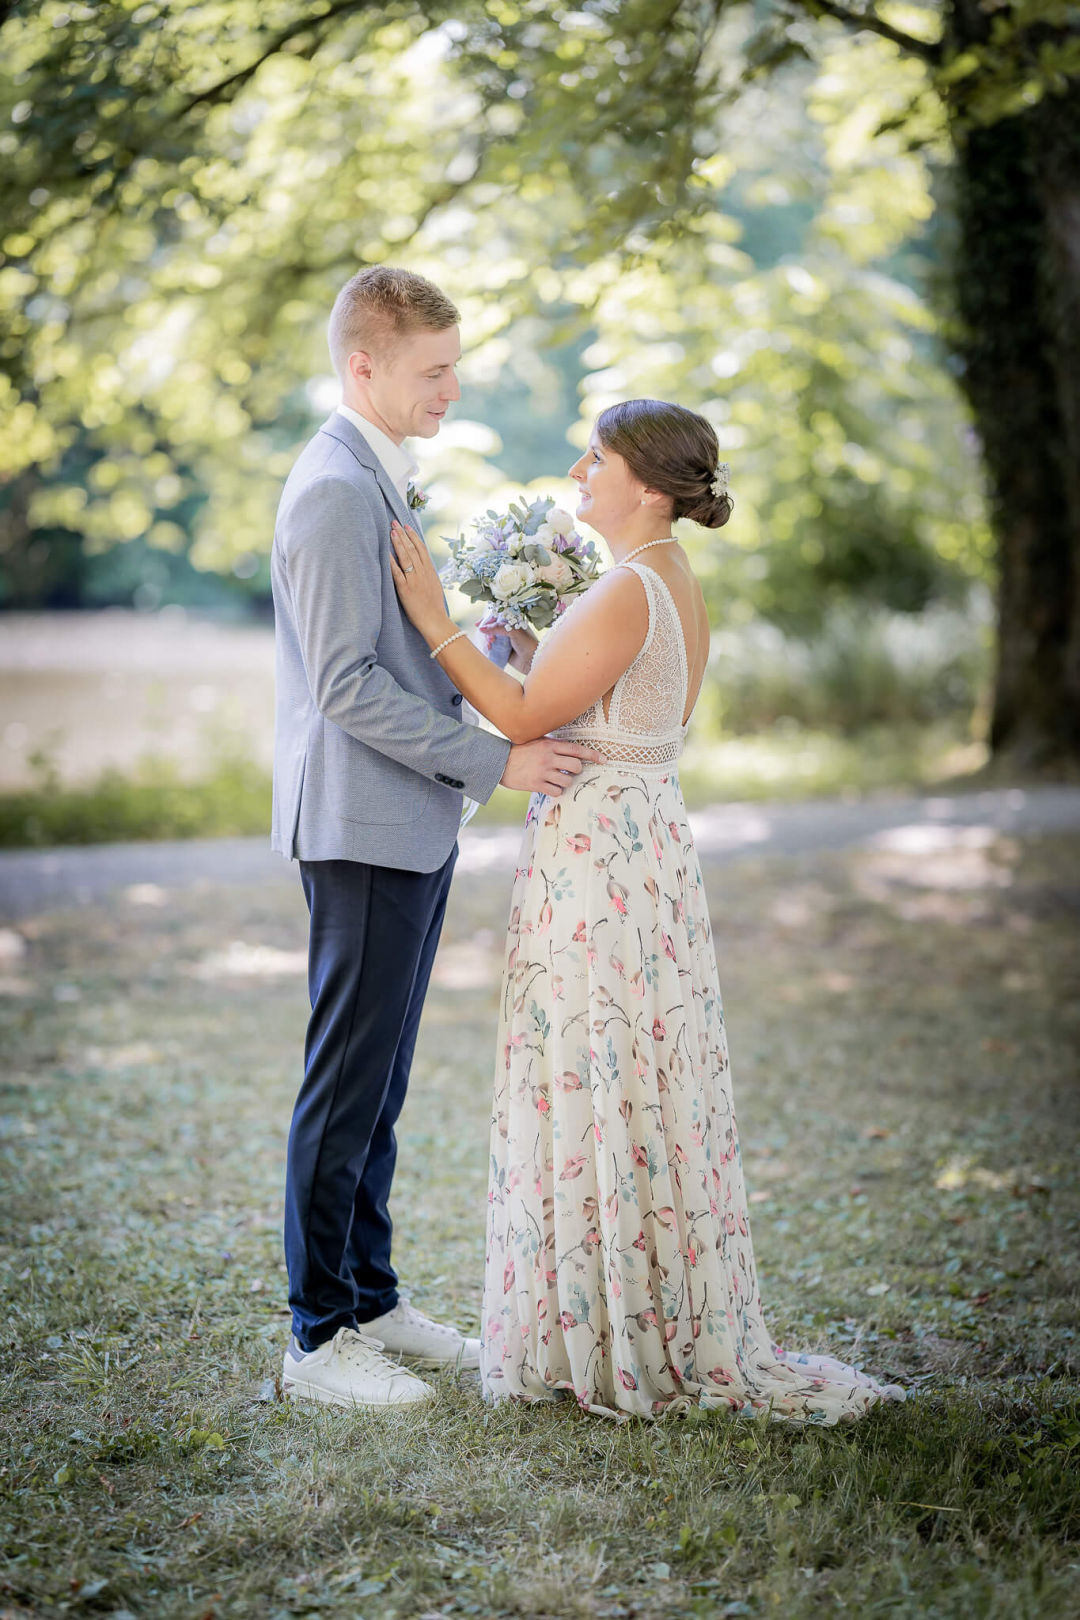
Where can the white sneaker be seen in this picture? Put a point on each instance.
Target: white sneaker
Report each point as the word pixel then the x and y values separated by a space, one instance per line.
pixel 407 1332
pixel 349 1370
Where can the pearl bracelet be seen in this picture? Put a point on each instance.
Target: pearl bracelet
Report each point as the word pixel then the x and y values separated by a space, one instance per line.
pixel 444 644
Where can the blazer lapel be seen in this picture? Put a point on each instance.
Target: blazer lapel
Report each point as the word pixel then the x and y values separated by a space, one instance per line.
pixel 339 427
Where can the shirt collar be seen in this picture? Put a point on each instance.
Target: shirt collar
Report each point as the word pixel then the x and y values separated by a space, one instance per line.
pixel 396 460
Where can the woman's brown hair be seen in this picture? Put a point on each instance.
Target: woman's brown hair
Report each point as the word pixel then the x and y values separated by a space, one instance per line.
pixel 671 450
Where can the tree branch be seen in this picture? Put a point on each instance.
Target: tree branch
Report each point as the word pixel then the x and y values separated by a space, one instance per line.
pixel 226 88
pixel 930 52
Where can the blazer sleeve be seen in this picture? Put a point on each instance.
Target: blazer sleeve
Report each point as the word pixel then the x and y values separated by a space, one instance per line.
pixel 334 568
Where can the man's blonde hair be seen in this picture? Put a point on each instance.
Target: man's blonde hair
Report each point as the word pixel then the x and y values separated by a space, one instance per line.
pixel 378 306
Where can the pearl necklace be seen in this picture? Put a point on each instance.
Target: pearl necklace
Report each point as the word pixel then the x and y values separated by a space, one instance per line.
pixel 668 540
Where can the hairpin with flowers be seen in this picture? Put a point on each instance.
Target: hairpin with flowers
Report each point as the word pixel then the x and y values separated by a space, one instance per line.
pixel 719 485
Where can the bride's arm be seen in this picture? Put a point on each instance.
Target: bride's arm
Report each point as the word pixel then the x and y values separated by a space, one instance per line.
pixel 576 664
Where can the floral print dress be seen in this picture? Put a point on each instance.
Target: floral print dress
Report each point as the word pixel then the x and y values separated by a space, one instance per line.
pixel 619 1265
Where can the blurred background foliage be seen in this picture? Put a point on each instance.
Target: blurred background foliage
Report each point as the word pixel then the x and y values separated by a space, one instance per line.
pixel 166 285
pixel 751 208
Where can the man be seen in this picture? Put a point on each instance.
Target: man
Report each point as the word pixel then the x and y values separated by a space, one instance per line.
pixel 371 760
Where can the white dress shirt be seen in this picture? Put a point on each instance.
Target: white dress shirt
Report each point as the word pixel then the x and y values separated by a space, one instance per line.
pixel 396 460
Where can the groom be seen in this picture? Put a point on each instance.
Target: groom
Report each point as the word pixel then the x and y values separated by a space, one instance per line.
pixel 370 763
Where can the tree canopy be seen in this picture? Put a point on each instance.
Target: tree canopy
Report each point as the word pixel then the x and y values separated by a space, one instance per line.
pixel 729 204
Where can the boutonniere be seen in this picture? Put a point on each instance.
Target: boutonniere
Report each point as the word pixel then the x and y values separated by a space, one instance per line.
pixel 417 497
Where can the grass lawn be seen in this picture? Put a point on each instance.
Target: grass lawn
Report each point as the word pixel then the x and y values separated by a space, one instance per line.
pixel 903 1035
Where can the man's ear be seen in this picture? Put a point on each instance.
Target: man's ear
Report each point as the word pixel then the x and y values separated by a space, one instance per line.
pixel 359 364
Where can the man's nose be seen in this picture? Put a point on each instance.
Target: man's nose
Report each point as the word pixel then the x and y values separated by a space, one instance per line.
pixel 454 390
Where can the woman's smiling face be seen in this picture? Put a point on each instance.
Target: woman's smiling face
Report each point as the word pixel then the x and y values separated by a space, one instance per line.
pixel 608 493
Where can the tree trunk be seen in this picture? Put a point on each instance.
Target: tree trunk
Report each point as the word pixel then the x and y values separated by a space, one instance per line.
pixel 1018 297
pixel 1059 186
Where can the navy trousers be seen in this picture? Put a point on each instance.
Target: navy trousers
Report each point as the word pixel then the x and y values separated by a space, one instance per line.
pixel 372 942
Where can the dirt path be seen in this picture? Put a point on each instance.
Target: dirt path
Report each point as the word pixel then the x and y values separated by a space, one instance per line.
pixel 33 881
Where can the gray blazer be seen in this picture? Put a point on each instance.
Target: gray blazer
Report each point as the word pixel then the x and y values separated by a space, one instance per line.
pixel 370 754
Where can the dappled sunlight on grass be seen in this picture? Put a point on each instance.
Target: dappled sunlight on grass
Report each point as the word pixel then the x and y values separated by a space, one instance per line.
pixel 146 894
pixel 909 1136
pixel 962 1171
pixel 936 857
pixel 242 960
pixel 469 964
pixel 934 873
pixel 799 905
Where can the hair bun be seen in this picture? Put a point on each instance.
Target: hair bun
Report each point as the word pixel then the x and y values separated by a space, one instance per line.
pixel 711 511
pixel 672 450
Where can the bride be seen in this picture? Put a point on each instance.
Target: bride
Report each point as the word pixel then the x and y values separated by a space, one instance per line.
pixel 619 1261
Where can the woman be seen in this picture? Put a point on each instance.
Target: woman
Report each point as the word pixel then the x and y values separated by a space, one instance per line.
pixel 619 1261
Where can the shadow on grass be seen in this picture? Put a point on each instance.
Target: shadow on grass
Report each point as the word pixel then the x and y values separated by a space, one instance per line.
pixel 903 1040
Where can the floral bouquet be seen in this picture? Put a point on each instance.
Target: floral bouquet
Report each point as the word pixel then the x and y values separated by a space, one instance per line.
pixel 525 563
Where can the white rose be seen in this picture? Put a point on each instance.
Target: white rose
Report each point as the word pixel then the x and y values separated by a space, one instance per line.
pixel 557 572
pixel 545 536
pixel 560 520
pixel 516 543
pixel 511 578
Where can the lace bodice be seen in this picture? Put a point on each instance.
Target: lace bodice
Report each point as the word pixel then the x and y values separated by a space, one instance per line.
pixel 644 727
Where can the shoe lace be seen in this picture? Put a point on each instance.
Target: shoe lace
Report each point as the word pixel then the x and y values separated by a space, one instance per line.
pixel 356 1349
pixel 417 1319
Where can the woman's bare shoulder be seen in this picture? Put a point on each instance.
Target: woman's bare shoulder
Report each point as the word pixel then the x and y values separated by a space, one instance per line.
pixel 618 595
pixel 610 618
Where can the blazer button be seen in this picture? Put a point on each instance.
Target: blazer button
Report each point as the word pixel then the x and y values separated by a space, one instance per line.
pixel 456 699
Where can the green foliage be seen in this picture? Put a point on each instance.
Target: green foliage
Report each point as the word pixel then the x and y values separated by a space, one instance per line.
pixel 185 191
pixel 782 758
pixel 865 669
pixel 985 62
pixel 156 801
pixel 184 188
pixel 178 218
